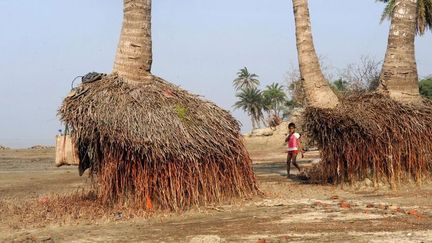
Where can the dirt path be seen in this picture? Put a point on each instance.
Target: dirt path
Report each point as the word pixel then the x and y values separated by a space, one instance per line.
pixel 290 211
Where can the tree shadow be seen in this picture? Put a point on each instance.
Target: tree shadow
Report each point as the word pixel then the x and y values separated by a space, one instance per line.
pixel 277 170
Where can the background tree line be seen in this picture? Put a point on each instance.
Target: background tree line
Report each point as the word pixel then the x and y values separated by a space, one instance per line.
pixel 259 104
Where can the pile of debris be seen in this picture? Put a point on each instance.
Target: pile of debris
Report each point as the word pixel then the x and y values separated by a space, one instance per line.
pixel 296 117
pixel 3 147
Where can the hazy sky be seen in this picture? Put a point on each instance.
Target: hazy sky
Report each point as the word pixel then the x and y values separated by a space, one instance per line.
pixel 198 44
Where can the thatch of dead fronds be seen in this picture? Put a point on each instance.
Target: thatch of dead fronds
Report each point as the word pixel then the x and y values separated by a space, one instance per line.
pixel 372 136
pixel 156 145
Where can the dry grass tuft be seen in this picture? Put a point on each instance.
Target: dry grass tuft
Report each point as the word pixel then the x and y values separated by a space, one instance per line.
pixel 74 208
pixel 371 136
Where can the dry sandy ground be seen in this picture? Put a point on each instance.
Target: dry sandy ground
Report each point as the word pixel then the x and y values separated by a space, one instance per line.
pixel 291 210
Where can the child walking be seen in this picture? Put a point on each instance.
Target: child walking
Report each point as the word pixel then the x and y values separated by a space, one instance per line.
pixel 294 146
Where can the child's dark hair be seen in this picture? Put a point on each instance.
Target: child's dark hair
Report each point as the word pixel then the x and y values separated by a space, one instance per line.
pixel 291 125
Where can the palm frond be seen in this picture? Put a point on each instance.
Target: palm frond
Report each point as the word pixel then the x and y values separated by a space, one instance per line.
pixel 250 100
pixel 388 10
pixel 245 80
pixel 424 14
pixel 427 6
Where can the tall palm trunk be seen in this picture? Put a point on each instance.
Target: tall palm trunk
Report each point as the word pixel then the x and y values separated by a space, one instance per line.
pixel 253 119
pixel 399 78
pixel 317 90
pixel 134 53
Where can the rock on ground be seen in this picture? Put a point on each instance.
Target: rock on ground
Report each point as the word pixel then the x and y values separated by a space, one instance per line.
pixel 206 239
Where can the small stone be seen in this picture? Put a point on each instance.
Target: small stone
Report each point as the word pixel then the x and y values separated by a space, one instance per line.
pixel 370 205
pixel 207 239
pixel 399 210
pixel 47 239
pixel 43 199
pixel 118 215
pixel 317 203
pixel 344 204
pixel 368 182
pixel 414 212
pixel 393 207
pixel 381 206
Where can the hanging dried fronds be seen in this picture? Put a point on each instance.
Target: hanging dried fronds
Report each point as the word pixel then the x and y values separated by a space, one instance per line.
pixel 371 136
pixel 155 144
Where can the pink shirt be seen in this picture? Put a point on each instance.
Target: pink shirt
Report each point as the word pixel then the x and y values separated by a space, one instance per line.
pixel 293 142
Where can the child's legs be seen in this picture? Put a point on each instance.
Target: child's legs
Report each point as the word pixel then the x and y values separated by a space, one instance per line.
pixel 294 160
pixel 289 158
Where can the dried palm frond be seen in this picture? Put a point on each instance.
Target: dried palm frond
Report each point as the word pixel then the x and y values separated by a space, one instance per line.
pixel 155 144
pixel 372 136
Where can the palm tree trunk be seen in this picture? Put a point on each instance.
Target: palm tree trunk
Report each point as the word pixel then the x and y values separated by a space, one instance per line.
pixel 134 53
pixel 253 122
pixel 317 90
pixel 399 78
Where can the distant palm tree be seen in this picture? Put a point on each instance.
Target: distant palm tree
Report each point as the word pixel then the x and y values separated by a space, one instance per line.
pixel 399 77
pixel 274 98
pixel 251 101
pixel 245 80
pixel 340 85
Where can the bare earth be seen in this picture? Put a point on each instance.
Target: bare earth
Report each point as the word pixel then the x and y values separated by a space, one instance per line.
pixel 290 210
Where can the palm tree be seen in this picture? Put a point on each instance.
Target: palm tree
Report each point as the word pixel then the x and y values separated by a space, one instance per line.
pixel 399 77
pixel 251 101
pixel 245 80
pixel 136 115
pixel 274 98
pixel 317 90
pixel 134 52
